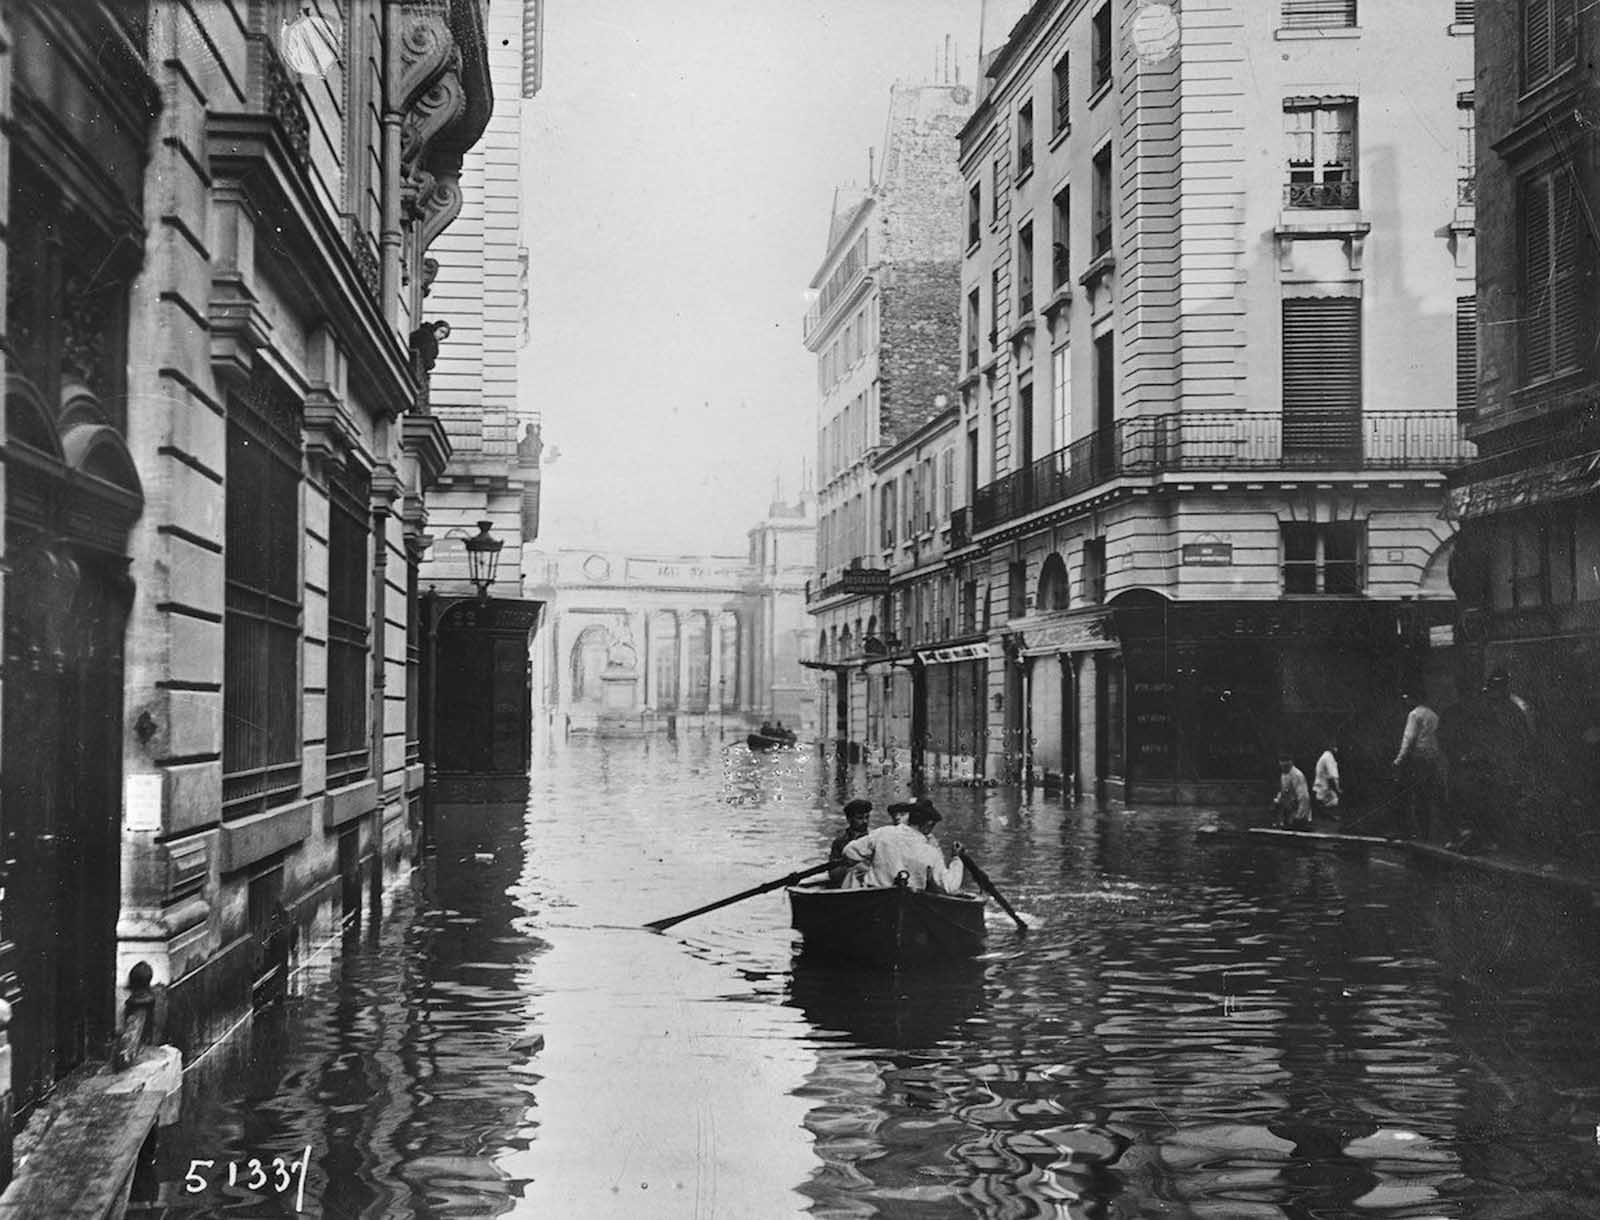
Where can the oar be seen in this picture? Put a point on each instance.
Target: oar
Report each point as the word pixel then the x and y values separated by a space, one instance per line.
pixel 982 879
pixel 661 925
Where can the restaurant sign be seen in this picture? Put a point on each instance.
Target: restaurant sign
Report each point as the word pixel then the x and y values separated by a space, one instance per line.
pixel 955 652
pixel 1080 634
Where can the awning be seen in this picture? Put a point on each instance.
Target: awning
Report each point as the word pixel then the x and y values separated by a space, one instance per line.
pixel 1081 633
pixel 954 652
pixel 1541 484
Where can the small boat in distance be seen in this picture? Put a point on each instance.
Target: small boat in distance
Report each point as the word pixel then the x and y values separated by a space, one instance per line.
pixel 892 925
pixel 773 739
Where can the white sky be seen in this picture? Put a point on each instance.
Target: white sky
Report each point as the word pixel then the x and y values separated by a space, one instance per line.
pixel 680 166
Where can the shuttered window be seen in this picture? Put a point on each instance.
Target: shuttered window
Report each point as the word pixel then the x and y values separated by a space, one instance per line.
pixel 1549 38
pixel 261 622
pixel 1466 358
pixel 1318 14
pixel 1322 380
pixel 1552 322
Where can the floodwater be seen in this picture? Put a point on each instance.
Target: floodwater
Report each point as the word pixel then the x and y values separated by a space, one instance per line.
pixel 1189 1030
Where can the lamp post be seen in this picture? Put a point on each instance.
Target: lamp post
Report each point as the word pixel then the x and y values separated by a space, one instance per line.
pixel 722 702
pixel 483 558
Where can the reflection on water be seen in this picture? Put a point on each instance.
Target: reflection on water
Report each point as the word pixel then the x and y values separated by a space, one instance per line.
pixel 1189 1030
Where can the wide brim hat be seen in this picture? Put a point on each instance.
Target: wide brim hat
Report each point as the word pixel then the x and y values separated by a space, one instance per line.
pixel 921 810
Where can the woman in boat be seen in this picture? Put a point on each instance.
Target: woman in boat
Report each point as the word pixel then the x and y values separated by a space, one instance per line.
pixel 907 848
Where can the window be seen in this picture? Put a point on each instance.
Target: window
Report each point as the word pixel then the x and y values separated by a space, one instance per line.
pixel 972 466
pixel 1101 243
pixel 1466 358
pixel 929 490
pixel 947 482
pixel 1060 398
pixel 1466 149
pixel 1323 557
pixel 349 575
pixel 1322 380
pixel 1101 74
pixel 969 607
pixel 1094 569
pixel 1024 272
pixel 1060 239
pixel 1024 140
pixel 908 499
pixel 974 213
pixel 995 192
pixel 974 312
pixel 1017 589
pixel 1553 324
pixel 1549 38
pixel 1318 14
pixel 1322 158
pixel 261 619
pixel 994 307
pixel 1061 91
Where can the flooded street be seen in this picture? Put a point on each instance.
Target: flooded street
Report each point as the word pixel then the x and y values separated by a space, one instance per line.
pixel 1205 1030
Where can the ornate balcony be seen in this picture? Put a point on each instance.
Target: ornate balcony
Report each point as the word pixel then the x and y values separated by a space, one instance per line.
pixel 1195 442
pixel 1326 195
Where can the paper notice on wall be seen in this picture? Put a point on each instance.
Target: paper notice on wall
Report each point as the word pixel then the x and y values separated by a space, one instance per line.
pixel 141 802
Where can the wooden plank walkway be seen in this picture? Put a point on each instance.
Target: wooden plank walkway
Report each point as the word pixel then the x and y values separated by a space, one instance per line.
pixel 81 1165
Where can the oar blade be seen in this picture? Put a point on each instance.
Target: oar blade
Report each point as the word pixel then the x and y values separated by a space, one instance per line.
pixel 661 925
pixel 989 887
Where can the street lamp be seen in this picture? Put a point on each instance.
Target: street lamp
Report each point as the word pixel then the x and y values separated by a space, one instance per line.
pixel 483 557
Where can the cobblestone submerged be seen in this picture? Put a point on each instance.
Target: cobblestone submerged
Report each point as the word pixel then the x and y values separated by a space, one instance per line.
pixel 1218 1030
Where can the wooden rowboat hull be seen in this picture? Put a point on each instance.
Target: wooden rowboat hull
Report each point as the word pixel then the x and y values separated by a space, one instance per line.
pixel 887 926
pixel 759 741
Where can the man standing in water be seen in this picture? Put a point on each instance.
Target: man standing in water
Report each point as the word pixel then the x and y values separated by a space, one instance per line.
pixel 908 848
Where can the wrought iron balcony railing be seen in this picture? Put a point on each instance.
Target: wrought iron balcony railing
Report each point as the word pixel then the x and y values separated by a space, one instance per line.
pixel 1323 194
pixel 1191 442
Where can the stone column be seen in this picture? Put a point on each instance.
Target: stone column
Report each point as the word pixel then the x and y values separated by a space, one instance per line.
pixel 714 642
pixel 683 661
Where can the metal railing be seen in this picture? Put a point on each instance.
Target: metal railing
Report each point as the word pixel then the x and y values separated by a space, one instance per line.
pixel 1185 443
pixel 960 527
pixel 1467 191
pixel 1322 194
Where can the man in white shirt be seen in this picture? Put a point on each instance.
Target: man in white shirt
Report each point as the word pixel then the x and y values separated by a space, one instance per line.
pixel 907 848
pixel 1325 790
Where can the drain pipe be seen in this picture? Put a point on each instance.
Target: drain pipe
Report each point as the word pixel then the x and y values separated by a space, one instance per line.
pixel 390 238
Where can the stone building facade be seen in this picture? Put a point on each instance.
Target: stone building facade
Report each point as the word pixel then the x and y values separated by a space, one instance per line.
pixel 1527 567
pixel 216 462
pixel 884 329
pixel 1216 275
pixel 474 651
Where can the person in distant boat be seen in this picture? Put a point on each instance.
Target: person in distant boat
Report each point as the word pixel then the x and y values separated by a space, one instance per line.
pixel 856 813
pixel 766 729
pixel 779 731
pixel 1293 803
pixel 907 847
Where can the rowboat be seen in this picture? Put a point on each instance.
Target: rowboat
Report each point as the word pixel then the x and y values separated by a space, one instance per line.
pixel 763 741
pixel 891 925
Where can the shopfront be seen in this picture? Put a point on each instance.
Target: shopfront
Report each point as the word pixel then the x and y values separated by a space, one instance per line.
pixel 954 680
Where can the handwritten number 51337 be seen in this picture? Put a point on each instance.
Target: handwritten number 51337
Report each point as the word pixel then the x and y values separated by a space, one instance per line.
pixel 275 1176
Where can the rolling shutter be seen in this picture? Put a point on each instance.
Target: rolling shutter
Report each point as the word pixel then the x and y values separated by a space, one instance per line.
pixel 1322 380
pixel 1466 358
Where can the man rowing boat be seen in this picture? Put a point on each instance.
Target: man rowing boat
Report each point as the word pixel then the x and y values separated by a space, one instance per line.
pixel 907 848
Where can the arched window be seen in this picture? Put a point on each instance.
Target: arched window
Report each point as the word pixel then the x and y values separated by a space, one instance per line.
pixel 588 663
pixel 1053 593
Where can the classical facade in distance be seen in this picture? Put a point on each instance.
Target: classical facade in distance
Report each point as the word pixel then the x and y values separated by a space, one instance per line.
pixel 632 642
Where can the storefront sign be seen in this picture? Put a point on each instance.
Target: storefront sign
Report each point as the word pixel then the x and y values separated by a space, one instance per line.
pixel 956 652
pixel 1441 635
pixel 657 572
pixel 1075 635
pixel 1208 554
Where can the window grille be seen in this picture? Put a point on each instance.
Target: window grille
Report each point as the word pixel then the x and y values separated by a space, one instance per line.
pixel 1318 14
pixel 262 617
pixel 349 658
